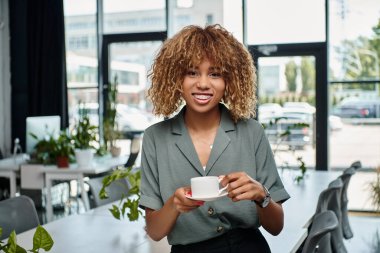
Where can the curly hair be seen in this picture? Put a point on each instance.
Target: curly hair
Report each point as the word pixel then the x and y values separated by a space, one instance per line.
pixel 189 48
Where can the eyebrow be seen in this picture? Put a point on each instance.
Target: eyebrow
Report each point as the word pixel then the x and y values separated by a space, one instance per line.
pixel 212 68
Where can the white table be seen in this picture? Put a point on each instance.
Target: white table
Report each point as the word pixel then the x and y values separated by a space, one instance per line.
pixel 52 172
pixel 9 168
pixel 97 231
pixel 299 209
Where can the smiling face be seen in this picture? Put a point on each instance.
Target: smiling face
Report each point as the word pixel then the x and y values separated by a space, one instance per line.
pixel 203 88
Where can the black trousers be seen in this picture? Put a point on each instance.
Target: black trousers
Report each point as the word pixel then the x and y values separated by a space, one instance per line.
pixel 234 241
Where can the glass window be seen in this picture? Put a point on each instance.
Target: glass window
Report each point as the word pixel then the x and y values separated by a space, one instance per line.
pixel 354 40
pixel 290 21
pixel 227 13
pixel 81 57
pixel 130 16
pixel 354 77
pixel 130 61
pixel 286 87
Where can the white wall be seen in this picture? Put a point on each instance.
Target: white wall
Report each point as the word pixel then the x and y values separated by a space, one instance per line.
pixel 5 86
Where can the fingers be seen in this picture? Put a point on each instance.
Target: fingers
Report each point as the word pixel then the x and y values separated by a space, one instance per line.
pixel 183 204
pixel 241 186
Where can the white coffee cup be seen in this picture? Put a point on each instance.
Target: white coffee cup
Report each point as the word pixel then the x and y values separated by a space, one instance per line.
pixel 208 186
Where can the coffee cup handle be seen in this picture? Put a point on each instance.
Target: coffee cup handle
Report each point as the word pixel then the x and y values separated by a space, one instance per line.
pixel 224 188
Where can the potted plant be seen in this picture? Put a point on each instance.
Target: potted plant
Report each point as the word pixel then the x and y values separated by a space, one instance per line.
pixel 111 132
pixel 42 150
pixel 63 150
pixel 84 137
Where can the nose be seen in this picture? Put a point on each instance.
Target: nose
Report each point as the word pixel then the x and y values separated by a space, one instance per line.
pixel 203 83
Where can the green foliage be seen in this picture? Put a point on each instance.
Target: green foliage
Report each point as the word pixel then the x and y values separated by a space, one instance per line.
pixel 64 146
pixel 41 240
pixel 360 58
pixel 49 148
pixel 291 75
pixel 375 191
pixel 302 168
pixel 110 129
pixel 128 203
pixel 308 74
pixel 84 134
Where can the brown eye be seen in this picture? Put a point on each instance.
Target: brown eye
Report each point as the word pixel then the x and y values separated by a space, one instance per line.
pixel 191 73
pixel 215 75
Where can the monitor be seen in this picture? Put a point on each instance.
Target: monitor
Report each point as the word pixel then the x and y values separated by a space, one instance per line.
pixel 41 127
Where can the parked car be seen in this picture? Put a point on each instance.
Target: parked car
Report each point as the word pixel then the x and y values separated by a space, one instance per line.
pixel 355 107
pixel 269 110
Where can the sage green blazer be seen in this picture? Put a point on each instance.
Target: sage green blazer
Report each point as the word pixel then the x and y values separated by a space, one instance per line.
pixel 169 161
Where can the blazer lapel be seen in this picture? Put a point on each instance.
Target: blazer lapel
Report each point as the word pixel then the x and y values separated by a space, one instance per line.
pixel 220 144
pixel 185 144
pixel 222 140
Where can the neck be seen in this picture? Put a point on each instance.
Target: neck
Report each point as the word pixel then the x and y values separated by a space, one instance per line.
pixel 202 121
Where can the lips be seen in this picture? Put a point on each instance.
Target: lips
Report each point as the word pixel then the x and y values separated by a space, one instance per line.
pixel 202 98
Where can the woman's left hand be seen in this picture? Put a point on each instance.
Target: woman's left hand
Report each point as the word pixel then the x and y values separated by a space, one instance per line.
pixel 242 187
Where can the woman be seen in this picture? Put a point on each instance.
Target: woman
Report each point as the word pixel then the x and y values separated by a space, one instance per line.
pixel 214 134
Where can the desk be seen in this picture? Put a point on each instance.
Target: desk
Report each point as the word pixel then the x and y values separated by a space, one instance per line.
pixel 52 172
pixel 95 231
pixel 9 168
pixel 299 209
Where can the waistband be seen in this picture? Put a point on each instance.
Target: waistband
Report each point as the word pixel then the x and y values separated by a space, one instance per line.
pixel 231 239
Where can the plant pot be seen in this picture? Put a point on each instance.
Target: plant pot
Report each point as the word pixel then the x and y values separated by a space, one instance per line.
pixel 63 162
pixel 84 157
pixel 115 151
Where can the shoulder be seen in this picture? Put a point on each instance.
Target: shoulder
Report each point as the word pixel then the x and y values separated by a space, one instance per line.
pixel 250 125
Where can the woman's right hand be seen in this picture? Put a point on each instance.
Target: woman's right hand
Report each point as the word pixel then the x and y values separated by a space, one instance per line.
pixel 183 204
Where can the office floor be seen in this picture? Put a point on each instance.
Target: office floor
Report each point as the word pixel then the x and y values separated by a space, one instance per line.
pixel 366 231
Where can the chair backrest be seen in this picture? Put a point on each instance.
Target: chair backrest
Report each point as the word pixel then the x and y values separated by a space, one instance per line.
pixel 323 223
pixel 135 150
pixel 19 214
pixel 115 191
pixel 330 199
pixel 356 165
pixel 346 177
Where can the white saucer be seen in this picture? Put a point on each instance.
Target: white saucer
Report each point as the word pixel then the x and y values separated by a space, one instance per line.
pixel 207 198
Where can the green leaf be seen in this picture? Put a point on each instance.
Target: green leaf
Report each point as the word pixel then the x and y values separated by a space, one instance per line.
pixel 12 244
pixel 20 249
pixel 42 239
pixel 115 212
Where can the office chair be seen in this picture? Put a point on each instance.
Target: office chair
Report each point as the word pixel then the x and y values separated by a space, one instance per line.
pixel 346 228
pixel 135 149
pixel 356 165
pixel 330 199
pixel 115 191
pixel 19 214
pixel 323 223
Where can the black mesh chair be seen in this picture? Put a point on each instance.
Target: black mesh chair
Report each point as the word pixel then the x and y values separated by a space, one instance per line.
pixel 135 150
pixel 346 228
pixel 330 199
pixel 323 223
pixel 19 214
pixel 356 165
pixel 115 191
